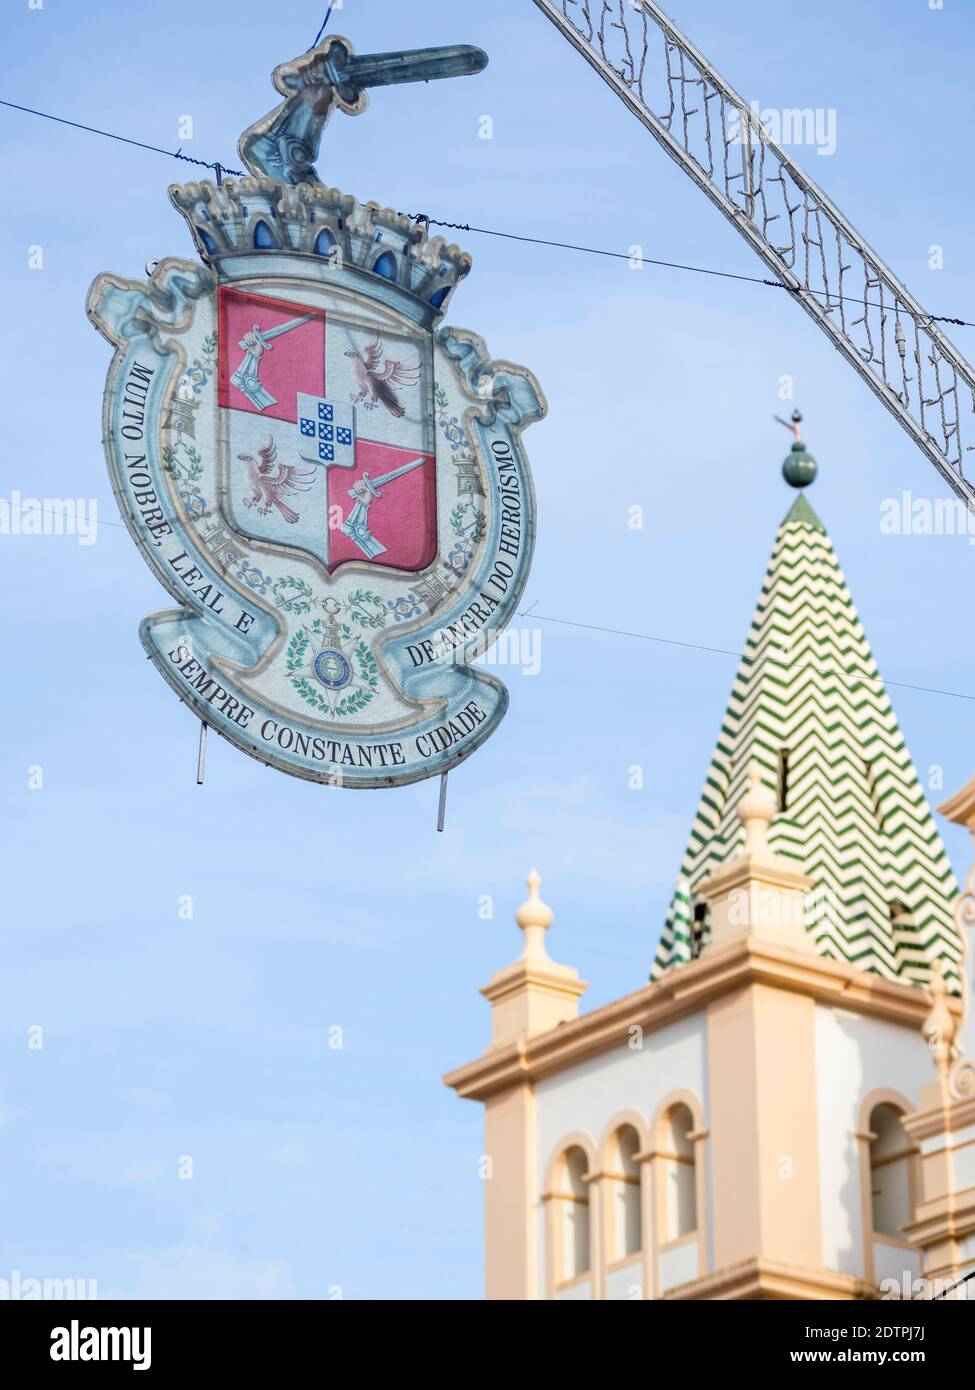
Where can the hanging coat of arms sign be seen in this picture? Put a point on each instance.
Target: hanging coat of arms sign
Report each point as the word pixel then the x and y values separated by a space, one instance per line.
pixel 330 484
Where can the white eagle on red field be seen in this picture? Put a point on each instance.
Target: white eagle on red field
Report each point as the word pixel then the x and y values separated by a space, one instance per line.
pixel 376 378
pixel 270 480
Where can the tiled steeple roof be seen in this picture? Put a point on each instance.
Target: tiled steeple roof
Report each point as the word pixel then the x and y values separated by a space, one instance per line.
pixel 808 707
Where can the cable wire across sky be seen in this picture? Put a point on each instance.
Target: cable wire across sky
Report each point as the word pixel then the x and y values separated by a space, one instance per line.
pixel 123 139
pixel 221 169
pixel 535 241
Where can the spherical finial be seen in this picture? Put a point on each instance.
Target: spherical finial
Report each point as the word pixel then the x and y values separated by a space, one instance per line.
pixel 799 468
pixel 755 811
pixel 534 917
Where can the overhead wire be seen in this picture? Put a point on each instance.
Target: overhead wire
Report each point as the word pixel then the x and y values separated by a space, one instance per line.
pixel 123 139
pixel 631 257
pixel 535 241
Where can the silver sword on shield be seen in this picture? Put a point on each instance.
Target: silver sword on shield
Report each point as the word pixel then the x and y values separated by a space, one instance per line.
pixel 255 343
pixel 363 492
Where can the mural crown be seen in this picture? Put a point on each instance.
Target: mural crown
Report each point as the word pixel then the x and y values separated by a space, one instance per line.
pixel 254 216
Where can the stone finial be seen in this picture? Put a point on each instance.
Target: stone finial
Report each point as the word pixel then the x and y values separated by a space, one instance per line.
pixel 534 917
pixel 534 993
pixel 939 1027
pixel 755 811
pixel 755 895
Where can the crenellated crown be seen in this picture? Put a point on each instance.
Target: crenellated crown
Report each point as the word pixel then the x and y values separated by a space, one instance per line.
pixel 262 216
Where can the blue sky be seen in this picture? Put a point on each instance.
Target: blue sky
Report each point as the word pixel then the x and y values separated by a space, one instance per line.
pixel 318 1168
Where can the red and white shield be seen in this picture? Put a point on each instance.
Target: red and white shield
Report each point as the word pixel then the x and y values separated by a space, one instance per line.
pixel 328 432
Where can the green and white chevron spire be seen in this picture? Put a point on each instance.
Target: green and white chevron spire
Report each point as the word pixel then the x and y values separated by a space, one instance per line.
pixel 808 707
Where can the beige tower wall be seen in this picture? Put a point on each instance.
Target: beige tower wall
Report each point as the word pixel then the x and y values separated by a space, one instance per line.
pixel 748 1079
pixel 763 1123
pixel 510 1195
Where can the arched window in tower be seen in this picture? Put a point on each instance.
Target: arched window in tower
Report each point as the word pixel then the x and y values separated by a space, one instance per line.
pixel 903 928
pixel 623 1173
pixel 677 1158
pixel 678 1216
pixel 892 1159
pixel 869 771
pixel 385 265
pixel 889 1187
pixel 783 778
pixel 571 1198
pixel 699 926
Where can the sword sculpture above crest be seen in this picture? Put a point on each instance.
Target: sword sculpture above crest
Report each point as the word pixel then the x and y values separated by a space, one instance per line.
pixel 285 143
pixel 329 482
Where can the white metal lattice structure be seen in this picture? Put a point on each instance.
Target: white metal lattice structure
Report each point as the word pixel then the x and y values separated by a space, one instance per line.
pixel 803 238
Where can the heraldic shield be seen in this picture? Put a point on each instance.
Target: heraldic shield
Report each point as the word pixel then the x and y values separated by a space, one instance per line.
pixel 328 430
pixel 329 482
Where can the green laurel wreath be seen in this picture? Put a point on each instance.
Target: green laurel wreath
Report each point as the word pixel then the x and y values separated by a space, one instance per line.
pixel 354 701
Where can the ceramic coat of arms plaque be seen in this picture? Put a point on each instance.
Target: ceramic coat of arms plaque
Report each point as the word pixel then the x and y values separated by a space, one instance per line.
pixel 329 482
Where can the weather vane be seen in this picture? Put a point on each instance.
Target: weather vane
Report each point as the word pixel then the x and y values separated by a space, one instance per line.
pixel 792 425
pixel 329 482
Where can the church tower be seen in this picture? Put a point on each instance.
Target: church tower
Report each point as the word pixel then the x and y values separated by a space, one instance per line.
pixel 808 706
pixel 735 1128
